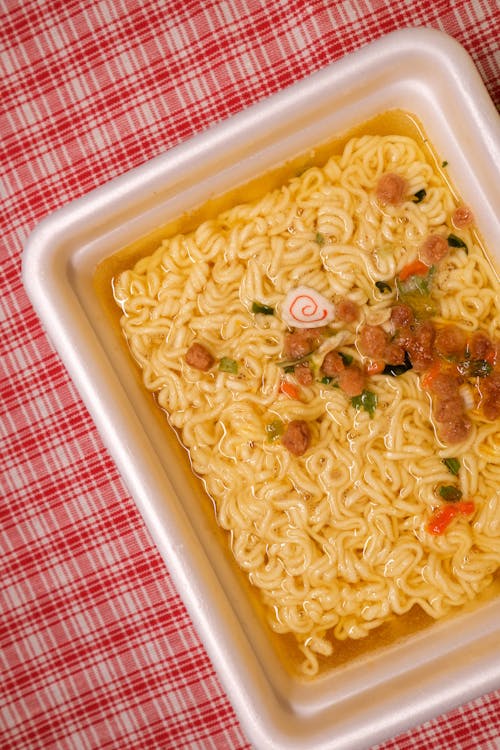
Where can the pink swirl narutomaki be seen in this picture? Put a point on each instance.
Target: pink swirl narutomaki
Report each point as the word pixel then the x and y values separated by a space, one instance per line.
pixel 304 307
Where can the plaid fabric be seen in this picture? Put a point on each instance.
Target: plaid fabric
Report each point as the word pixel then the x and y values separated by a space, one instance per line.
pixel 97 648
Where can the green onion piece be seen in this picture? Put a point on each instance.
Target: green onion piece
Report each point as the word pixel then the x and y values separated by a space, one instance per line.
pixel 474 368
pixel 326 380
pixel 454 241
pixel 449 493
pixel 257 307
pixel 444 164
pixel 274 430
pixel 415 291
pixel 367 400
pixel 320 238
pixel 419 196
pixel 346 358
pixel 289 368
pixel 227 364
pixel 416 283
pixel 383 287
pixel 453 465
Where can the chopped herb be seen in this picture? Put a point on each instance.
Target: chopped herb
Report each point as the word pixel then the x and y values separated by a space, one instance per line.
pixel 289 368
pixel 367 400
pixel 474 368
pixel 396 370
pixel 346 358
pixel 444 164
pixel 383 287
pixel 454 241
pixel 453 465
pixel 415 268
pixel 415 291
pixel 326 380
pixel 419 196
pixel 227 364
pixel 450 494
pixel 274 430
pixel 320 238
pixel 257 307
pixel 416 283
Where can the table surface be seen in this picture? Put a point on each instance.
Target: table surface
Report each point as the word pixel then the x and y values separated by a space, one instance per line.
pixel 98 650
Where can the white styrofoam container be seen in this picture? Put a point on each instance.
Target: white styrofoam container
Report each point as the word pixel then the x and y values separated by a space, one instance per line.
pixel 377 696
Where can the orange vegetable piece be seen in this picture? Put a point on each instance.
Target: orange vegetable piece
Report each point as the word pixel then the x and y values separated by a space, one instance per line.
pixel 442 517
pixel 416 268
pixel 430 375
pixel 375 366
pixel 289 389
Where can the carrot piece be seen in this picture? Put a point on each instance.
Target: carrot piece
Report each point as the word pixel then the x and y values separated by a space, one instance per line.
pixel 430 375
pixel 441 519
pixel 375 366
pixel 443 516
pixel 416 268
pixel 289 389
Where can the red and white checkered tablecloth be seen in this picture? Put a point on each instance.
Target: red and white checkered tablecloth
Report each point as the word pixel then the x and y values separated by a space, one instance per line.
pixel 97 650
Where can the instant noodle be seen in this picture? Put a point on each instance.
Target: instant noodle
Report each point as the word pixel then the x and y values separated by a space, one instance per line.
pixel 329 356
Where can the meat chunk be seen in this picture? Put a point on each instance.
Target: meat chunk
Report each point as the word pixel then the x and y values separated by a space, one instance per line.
pixel 303 374
pixel 394 354
pixel 433 249
pixel 491 407
pixel 462 217
pixel 421 346
pixel 199 357
pixel 372 342
pixel 480 346
pixel 450 341
pixel 297 437
pixel 346 310
pixel 447 409
pixel 404 336
pixel 332 364
pixel 456 430
pixel 445 384
pixel 490 391
pixel 301 343
pixel 391 189
pixel 402 316
pixel 352 380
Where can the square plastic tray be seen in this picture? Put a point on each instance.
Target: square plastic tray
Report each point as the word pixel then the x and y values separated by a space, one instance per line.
pixel 418 70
